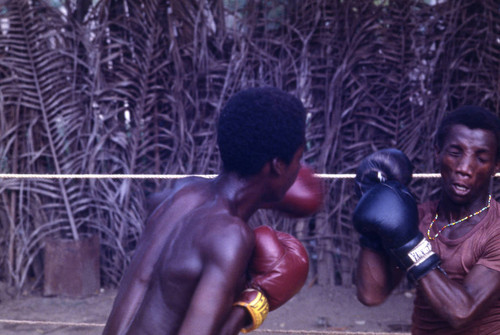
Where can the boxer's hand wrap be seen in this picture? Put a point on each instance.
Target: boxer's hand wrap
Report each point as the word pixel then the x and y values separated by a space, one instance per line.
pixel 257 306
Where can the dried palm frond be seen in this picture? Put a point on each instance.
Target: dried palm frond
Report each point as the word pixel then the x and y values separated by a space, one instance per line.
pixel 136 86
pixel 41 91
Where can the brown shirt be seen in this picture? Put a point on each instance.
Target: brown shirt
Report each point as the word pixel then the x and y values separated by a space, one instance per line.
pixel 481 245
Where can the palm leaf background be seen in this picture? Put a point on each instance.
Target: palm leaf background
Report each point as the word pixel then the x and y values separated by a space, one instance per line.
pixel 131 87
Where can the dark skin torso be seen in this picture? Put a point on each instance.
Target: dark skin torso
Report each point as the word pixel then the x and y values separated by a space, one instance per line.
pixel 468 160
pixel 171 287
pixel 190 264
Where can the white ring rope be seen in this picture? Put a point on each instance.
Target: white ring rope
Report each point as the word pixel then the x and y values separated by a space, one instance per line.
pixel 269 331
pixel 51 323
pixel 171 176
pixel 100 176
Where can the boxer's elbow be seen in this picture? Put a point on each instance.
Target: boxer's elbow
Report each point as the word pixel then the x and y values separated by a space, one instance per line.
pixel 369 294
pixel 459 319
pixel 370 299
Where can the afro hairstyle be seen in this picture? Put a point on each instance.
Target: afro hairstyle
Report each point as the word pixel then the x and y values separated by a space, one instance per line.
pixel 257 125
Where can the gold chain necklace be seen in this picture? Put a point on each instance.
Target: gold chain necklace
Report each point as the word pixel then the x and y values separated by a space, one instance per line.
pixel 455 222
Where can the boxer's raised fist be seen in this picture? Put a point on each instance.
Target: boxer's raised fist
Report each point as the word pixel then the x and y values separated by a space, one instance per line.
pixel 279 265
pixel 383 165
pixel 303 198
pixel 278 270
pixel 388 211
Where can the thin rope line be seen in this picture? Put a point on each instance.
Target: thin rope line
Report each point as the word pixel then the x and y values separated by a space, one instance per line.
pixel 88 324
pixel 51 323
pixel 100 176
pixel 170 176
pixel 323 332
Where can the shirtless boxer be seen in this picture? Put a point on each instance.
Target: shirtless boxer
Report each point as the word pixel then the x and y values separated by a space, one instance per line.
pixel 190 267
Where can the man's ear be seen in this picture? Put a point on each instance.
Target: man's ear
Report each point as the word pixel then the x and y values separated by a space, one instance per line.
pixel 497 167
pixel 277 166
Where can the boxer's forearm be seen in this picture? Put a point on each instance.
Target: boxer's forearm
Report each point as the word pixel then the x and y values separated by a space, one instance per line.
pixel 237 320
pixel 376 277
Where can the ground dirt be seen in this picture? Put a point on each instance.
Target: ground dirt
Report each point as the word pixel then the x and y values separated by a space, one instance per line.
pixel 314 310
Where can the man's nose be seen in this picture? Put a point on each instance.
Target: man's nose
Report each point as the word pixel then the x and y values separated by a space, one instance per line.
pixel 465 165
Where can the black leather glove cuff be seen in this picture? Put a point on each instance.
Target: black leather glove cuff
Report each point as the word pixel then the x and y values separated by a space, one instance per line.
pixel 416 257
pixel 370 243
pixel 418 271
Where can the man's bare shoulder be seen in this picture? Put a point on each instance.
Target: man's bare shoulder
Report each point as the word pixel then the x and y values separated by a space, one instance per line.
pixel 227 236
pixel 179 200
pixel 182 187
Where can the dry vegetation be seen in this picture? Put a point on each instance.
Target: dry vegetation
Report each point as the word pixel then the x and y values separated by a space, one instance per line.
pixel 135 86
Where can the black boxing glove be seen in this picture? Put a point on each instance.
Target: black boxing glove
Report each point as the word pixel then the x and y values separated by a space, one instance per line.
pixel 389 212
pixel 381 166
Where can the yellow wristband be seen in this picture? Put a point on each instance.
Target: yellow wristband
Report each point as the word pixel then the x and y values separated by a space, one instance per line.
pixel 258 308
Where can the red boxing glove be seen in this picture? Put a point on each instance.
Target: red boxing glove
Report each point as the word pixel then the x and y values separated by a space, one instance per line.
pixel 303 198
pixel 279 265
